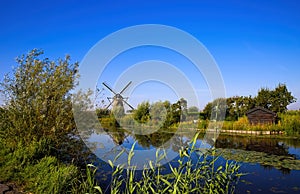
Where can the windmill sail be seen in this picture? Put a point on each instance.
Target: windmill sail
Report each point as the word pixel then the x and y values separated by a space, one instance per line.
pixel 117 102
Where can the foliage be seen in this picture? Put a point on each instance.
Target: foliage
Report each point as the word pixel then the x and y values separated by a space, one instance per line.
pixel 87 183
pixel 237 106
pixel 276 100
pixel 102 112
pixel 162 114
pixel 49 176
pixel 37 98
pixel 193 109
pixel 215 110
pixel 142 113
pixel 241 124
pixel 290 122
pixel 189 176
pixel 37 129
pixel 203 124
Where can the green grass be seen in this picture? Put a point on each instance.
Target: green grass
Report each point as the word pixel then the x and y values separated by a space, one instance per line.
pixel 189 176
pixel 288 123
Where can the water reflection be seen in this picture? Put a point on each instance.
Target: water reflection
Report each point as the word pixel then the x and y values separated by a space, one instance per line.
pixel 266 151
pixel 109 142
pixel 282 154
pixel 263 157
pixel 266 145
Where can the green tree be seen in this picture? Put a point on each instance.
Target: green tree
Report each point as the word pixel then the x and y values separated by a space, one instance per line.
pixel 158 112
pixel 282 98
pixel 237 106
pixel 193 109
pixel 184 110
pixel 276 100
pixel 215 110
pixel 38 98
pixel 206 112
pixel 264 98
pixel 142 113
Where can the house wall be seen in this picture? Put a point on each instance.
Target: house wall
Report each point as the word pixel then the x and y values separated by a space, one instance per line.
pixel 260 117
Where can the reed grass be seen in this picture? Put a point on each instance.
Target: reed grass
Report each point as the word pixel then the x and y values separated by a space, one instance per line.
pixel 188 176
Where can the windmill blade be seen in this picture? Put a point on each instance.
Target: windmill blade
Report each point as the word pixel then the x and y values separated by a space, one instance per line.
pixel 109 105
pixel 128 104
pixel 109 88
pixel 125 87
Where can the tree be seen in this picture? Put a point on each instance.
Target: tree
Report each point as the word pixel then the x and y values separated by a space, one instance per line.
pixel 158 112
pixel 142 113
pixel 38 98
pixel 184 110
pixel 276 100
pixel 193 109
pixel 215 110
pixel 264 98
pixel 237 106
pixel 282 98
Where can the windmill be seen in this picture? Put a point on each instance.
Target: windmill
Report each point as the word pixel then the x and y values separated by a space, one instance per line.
pixel 118 100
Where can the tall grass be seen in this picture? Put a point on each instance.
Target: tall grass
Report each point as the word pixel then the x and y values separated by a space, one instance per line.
pixel 189 176
pixel 288 122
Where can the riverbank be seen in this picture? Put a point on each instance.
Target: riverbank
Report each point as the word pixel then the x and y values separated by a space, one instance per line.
pixel 9 188
pixel 257 134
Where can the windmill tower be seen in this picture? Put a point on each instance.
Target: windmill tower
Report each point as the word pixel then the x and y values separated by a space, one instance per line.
pixel 118 100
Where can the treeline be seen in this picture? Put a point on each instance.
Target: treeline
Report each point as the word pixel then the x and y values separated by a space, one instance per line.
pixel 275 100
pixel 163 113
pixel 230 109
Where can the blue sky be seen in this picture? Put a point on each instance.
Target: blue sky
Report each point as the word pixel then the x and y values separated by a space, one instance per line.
pixel 255 43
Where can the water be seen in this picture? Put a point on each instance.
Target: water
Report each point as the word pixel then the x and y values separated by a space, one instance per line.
pixel 272 163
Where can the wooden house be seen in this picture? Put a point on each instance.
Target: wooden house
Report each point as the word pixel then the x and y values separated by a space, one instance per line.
pixel 260 115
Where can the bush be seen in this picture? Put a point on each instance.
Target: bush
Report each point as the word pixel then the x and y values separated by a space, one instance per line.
pixel 50 176
pixel 290 122
pixel 241 124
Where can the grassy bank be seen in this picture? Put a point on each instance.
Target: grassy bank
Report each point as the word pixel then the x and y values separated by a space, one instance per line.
pixel 288 124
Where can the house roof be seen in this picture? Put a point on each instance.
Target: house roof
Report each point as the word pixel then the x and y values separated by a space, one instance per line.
pixel 260 108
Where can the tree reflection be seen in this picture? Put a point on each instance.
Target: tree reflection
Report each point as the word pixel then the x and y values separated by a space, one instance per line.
pixel 266 145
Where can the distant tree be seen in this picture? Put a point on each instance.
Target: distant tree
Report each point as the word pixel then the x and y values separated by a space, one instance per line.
pixel 206 112
pixel 237 106
pixel 102 112
pixel 193 113
pixel 165 112
pixel 264 98
pixel 215 110
pixel 193 109
pixel 276 100
pixel 142 113
pixel 176 112
pixel 158 112
pixel 184 110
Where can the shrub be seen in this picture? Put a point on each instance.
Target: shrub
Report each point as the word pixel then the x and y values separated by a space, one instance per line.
pixel 241 124
pixel 49 176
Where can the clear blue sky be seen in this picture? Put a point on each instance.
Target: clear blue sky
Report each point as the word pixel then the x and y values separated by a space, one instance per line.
pixel 255 43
